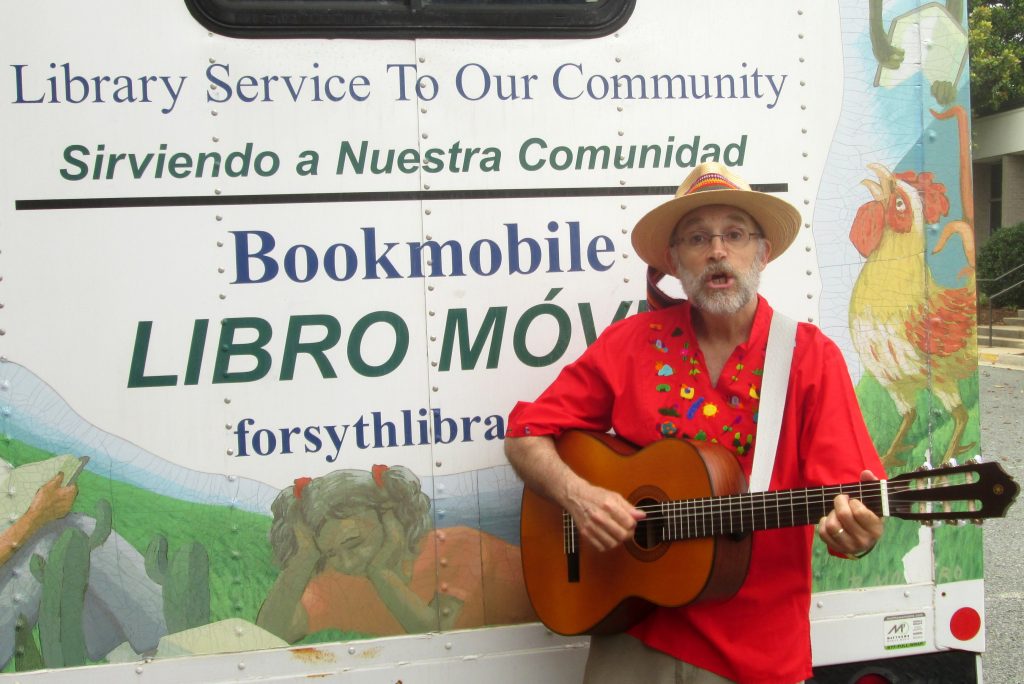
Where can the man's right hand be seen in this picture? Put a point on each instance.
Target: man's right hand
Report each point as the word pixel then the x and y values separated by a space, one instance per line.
pixel 604 518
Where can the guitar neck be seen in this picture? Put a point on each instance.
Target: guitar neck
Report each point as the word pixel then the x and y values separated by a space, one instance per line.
pixel 741 513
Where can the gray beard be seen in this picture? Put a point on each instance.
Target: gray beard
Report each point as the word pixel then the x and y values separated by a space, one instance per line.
pixel 720 302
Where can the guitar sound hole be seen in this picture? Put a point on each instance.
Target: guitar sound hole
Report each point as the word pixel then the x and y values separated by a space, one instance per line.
pixel 649 531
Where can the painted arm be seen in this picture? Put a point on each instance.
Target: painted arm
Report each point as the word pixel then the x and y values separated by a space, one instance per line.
pixel 51 502
pixel 282 613
pixel 888 56
pixel 385 574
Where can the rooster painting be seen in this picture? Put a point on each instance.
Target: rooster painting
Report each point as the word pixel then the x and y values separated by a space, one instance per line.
pixel 911 333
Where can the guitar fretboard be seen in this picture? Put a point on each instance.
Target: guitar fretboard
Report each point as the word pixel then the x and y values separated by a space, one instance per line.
pixel 742 513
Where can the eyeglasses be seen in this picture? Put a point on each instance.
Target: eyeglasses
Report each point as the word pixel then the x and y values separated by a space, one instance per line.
pixel 699 241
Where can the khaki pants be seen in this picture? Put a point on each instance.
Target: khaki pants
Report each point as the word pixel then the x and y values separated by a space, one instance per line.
pixel 622 659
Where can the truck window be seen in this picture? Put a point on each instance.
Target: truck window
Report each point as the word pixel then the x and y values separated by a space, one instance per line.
pixel 411 18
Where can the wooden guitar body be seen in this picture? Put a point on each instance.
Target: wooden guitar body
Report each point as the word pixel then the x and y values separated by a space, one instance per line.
pixel 580 590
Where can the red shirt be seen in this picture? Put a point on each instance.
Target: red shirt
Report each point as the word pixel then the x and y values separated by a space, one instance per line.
pixel 645 377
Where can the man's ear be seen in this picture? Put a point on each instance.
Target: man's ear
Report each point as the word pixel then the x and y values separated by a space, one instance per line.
pixel 767 253
pixel 670 258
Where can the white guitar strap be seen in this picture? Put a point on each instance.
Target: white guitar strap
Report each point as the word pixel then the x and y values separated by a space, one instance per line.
pixel 774 385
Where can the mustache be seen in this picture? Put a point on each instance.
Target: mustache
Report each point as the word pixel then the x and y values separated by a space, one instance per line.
pixel 724 269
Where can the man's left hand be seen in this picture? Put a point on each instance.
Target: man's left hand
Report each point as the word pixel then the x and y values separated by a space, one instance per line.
pixel 851 529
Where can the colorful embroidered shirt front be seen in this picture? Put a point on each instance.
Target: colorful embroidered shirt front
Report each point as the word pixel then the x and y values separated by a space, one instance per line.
pixel 650 374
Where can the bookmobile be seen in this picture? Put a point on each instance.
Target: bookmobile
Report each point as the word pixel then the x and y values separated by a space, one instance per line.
pixel 268 261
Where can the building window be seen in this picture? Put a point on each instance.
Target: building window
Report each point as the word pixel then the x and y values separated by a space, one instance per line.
pixel 411 18
pixel 995 203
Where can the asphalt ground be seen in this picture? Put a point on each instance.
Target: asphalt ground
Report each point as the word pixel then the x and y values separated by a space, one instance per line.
pixel 1002 440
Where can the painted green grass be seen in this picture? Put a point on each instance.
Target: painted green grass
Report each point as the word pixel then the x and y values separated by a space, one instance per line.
pixel 241 570
pixel 957 549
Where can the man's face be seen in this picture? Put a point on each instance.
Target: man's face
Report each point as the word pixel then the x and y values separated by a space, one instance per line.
pixel 719 256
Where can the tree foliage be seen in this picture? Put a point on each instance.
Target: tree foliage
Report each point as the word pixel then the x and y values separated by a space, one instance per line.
pixel 996 39
pixel 1001 253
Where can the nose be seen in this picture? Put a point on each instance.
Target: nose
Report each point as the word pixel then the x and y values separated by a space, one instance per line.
pixel 716 249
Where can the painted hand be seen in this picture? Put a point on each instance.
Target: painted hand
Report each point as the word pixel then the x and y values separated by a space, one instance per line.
pixel 52 501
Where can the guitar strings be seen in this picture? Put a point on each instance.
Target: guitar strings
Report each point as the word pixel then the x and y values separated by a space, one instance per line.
pixel 708 516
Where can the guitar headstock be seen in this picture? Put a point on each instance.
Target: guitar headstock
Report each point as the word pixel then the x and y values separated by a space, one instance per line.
pixel 967 492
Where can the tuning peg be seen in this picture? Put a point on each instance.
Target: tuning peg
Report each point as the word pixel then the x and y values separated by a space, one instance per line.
pixel 952 463
pixel 977 521
pixel 924 467
pixel 974 460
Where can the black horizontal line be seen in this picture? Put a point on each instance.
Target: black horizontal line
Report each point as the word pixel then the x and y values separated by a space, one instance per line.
pixel 334 197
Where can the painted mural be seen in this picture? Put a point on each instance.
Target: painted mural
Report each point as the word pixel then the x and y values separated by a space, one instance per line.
pixel 112 550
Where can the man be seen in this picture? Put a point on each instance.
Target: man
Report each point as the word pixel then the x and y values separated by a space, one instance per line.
pixel 694 371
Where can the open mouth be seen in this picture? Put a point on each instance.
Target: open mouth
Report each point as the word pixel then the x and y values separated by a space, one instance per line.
pixel 719 279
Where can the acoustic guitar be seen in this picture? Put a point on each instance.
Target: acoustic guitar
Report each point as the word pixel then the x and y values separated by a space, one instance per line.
pixel 694 544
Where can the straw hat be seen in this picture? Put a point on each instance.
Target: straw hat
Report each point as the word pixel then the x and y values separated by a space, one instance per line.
pixel 713 183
